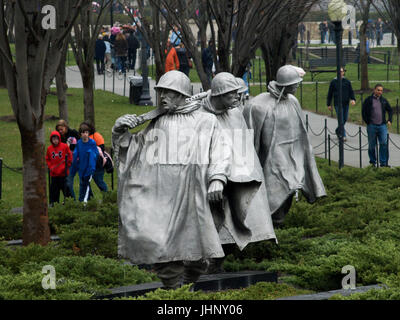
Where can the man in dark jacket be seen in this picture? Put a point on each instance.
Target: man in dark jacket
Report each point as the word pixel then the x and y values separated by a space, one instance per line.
pixel 208 60
pixel 100 51
pixel 347 97
pixel 133 45
pixel 373 114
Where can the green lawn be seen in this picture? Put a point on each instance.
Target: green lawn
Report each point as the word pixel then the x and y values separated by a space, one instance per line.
pixel 108 108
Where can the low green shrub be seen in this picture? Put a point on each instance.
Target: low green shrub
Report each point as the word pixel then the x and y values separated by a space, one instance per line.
pixel 26 286
pixel 90 240
pixel 259 291
pixel 14 258
pixel 95 270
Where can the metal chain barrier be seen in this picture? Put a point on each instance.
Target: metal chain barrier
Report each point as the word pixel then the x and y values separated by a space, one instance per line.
pixel 16 170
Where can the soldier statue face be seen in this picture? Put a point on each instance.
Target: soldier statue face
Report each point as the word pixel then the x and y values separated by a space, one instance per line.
pixel 292 88
pixel 170 99
pixel 227 101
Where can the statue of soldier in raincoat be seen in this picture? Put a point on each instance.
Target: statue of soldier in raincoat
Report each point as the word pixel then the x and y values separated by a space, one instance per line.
pixel 282 144
pixel 168 173
pixel 246 200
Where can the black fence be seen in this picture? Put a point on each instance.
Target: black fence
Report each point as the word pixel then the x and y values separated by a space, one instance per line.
pixel 329 144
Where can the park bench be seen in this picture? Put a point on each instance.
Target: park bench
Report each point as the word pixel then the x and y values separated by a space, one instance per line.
pixel 315 64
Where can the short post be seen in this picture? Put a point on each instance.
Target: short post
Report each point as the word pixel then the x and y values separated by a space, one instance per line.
pixel 377 147
pixel 254 72
pixel 316 96
pixel 326 137
pixel 388 66
pixel 301 93
pixel 112 172
pixel 359 139
pixel 1 175
pixel 124 83
pixel 113 86
pixel 387 149
pixel 329 149
pixel 397 114
pixel 307 122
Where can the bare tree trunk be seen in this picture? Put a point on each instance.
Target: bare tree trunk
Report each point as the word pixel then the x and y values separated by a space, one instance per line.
pixel 88 95
pixel 364 58
pixel 86 33
pixel 36 221
pixel 62 86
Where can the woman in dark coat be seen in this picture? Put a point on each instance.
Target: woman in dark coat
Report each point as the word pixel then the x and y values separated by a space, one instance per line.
pixel 121 51
pixel 100 51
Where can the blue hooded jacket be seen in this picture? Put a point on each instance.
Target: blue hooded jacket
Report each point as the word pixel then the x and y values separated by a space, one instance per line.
pixel 85 158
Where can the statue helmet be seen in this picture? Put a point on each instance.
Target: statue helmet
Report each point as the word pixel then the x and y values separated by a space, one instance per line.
pixel 222 83
pixel 287 76
pixel 176 81
pixel 242 84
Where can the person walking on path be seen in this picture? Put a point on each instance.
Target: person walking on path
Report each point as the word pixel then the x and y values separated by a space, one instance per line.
pixel 70 137
pixel 184 59
pixel 207 60
pixel 133 45
pixel 172 60
pixel 100 51
pixel 58 159
pixel 84 162
pixel 108 53
pixel 121 52
pixel 98 175
pixel 347 97
pixel 374 109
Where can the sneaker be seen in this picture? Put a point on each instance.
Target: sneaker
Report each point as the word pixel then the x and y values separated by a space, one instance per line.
pixel 385 165
pixel 373 165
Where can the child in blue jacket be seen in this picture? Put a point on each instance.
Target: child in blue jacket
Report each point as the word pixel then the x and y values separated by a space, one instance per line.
pixel 85 158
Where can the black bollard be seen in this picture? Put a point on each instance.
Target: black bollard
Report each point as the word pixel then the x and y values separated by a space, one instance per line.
pixel 329 149
pixel 326 137
pixel 359 138
pixel 1 175
pixel 316 97
pixel 112 173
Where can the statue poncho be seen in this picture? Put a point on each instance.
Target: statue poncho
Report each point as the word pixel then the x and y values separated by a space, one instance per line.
pixel 246 196
pixel 283 147
pixel 164 172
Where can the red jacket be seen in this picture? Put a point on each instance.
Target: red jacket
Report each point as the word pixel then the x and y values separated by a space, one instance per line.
pixel 172 60
pixel 55 157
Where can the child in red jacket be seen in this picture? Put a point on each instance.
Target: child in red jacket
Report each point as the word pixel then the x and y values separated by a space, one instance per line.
pixel 59 159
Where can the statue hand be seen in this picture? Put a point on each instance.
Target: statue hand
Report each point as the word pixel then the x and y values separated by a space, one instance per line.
pixel 215 190
pixel 128 121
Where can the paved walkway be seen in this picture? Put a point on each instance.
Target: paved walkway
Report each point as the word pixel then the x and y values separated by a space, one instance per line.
pixel 120 85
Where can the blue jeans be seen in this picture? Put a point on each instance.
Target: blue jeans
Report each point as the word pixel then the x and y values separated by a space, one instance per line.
pixel 85 191
pixel 377 131
pixel 98 177
pixel 345 111
pixel 70 185
pixel 121 63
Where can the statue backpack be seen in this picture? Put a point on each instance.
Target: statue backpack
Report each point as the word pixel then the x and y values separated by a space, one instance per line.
pixel 107 161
